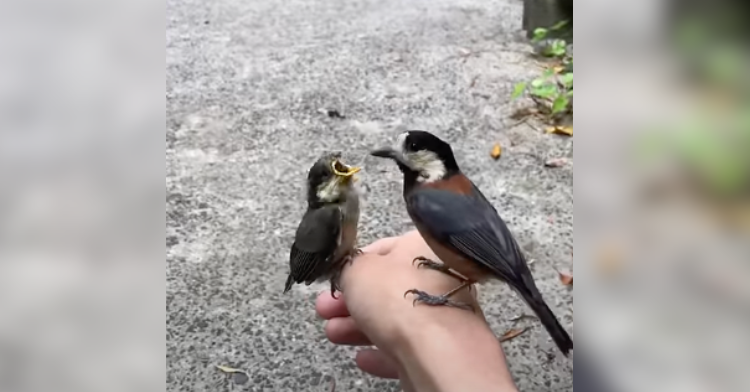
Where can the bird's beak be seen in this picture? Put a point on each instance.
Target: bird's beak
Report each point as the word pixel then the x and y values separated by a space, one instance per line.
pixel 391 153
pixel 343 171
pixel 386 152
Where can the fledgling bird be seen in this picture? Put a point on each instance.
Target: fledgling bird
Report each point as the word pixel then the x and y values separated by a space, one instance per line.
pixel 461 227
pixel 327 235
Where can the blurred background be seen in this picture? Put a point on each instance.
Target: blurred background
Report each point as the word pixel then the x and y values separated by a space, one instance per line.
pixel 663 193
pixel 662 182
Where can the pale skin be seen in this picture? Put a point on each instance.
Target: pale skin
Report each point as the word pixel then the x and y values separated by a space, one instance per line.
pixel 428 348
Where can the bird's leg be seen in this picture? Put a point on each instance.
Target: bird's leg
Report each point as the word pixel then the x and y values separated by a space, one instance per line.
pixel 348 259
pixel 434 265
pixel 441 300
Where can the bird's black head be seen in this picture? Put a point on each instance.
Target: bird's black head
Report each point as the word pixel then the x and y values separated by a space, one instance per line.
pixel 329 180
pixel 421 155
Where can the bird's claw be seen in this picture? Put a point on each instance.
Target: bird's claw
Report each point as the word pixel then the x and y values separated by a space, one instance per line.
pixel 350 258
pixel 436 300
pixel 335 285
pixel 434 265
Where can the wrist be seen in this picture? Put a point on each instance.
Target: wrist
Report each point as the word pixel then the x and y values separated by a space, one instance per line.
pixel 447 350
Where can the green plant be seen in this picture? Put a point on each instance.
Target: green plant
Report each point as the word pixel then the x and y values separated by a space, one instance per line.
pixel 553 90
pixel 553 47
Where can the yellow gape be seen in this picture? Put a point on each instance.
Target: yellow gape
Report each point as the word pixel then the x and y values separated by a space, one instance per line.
pixel 343 170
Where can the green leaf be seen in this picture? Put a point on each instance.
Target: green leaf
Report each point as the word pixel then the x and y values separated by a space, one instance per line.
pixel 545 91
pixel 518 90
pixel 559 25
pixel 548 73
pixel 560 104
pixel 570 93
pixel 539 34
pixel 538 82
pixel 567 80
pixel 557 48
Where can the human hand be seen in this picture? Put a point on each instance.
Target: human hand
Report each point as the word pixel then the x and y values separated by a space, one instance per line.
pixel 373 310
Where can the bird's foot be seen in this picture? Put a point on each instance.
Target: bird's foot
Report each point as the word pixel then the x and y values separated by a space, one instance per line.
pixel 349 259
pixel 436 300
pixel 334 289
pixel 434 265
pixel 427 263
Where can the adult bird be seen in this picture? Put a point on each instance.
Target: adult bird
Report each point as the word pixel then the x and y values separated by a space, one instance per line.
pixel 462 228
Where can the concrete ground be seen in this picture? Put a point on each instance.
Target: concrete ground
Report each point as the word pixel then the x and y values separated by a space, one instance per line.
pixel 246 81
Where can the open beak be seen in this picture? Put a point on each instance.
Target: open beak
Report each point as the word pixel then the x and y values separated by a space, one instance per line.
pixel 391 153
pixel 343 171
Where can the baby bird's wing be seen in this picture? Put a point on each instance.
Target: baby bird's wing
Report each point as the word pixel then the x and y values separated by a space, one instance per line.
pixel 314 243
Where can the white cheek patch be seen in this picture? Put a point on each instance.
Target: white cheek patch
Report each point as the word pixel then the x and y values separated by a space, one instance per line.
pixel 429 165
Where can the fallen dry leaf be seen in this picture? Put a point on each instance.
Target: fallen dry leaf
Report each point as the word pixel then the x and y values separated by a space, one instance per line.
pixel 522 317
pixel 238 376
pixel 227 369
pixel 555 162
pixel 560 130
pixel 496 151
pixel 512 333
pixel 557 69
pixel 565 279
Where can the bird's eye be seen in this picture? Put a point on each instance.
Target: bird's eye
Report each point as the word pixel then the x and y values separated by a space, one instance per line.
pixel 413 146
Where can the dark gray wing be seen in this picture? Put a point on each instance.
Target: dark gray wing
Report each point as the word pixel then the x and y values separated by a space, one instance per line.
pixel 472 226
pixel 315 241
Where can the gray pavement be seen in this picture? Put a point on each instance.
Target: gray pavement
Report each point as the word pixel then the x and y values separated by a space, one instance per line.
pixel 246 81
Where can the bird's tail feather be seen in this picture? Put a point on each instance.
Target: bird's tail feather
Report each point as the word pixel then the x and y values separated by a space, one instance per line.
pixel 289 283
pixel 549 320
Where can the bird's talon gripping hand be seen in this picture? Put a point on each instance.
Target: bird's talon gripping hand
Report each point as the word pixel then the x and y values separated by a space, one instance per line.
pixel 333 292
pixel 420 259
pixel 335 285
pixel 434 265
pixel 436 300
pixel 355 253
